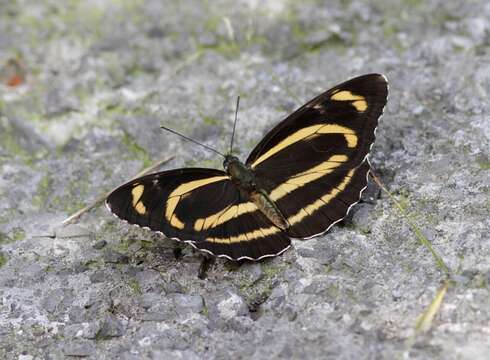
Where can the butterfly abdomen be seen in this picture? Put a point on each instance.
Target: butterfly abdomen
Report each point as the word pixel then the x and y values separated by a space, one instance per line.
pixel 269 209
pixel 244 178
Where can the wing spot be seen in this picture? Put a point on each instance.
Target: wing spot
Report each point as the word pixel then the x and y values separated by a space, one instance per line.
pixel 176 223
pixel 320 108
pixel 360 105
pixel 351 140
pixel 199 224
pixel 358 101
pixel 138 205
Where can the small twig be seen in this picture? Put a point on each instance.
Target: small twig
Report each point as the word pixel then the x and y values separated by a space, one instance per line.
pixel 420 236
pixel 44 236
pixel 101 198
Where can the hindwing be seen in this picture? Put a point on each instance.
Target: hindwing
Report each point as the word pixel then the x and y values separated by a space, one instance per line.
pixel 201 207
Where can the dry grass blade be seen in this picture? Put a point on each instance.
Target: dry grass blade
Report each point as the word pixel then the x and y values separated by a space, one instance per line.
pixel 425 320
pixel 418 233
pixel 101 198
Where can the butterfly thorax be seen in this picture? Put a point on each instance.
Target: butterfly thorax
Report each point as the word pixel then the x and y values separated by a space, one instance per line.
pixel 240 174
pixel 244 178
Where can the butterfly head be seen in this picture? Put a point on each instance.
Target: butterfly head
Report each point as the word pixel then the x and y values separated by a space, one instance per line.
pixel 230 159
pixel 239 172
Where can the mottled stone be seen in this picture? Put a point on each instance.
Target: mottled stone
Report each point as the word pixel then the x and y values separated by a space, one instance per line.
pixel 148 300
pixel 99 78
pixel 187 303
pixel 110 327
pixel 115 257
pixel 100 244
pixel 58 300
pixel 231 305
pixel 98 276
pixel 159 312
pixel 59 100
pixel 80 348
pixel 174 354
pixel 77 314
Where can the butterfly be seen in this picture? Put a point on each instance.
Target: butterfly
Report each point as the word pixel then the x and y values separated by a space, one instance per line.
pixel 302 178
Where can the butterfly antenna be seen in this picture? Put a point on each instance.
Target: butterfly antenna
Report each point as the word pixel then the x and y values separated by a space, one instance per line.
pixel 192 140
pixel 234 124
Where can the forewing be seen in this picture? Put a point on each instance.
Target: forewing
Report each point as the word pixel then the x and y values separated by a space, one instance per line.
pixel 321 147
pixel 342 120
pixel 201 207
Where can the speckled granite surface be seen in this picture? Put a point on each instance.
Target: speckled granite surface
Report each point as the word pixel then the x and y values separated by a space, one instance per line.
pixel 100 77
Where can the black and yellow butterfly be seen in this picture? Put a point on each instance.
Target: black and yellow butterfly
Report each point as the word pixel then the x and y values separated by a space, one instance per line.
pixel 303 177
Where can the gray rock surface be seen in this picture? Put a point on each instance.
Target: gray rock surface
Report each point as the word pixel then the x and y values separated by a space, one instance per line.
pixel 100 77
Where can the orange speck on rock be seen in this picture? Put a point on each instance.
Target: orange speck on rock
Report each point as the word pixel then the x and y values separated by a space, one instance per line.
pixel 15 80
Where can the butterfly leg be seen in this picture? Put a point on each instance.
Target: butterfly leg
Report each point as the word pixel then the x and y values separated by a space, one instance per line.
pixel 206 263
pixel 178 252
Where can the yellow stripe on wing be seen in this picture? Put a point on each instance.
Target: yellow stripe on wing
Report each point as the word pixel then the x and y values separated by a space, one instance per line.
pixel 176 195
pixel 325 199
pixel 224 215
pixel 308 176
pixel 358 101
pixel 138 205
pixel 302 134
pixel 249 236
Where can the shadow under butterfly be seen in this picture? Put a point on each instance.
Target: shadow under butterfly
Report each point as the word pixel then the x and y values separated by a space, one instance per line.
pixel 302 178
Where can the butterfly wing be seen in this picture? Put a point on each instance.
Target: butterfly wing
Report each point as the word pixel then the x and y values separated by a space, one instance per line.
pixel 201 207
pixel 314 163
